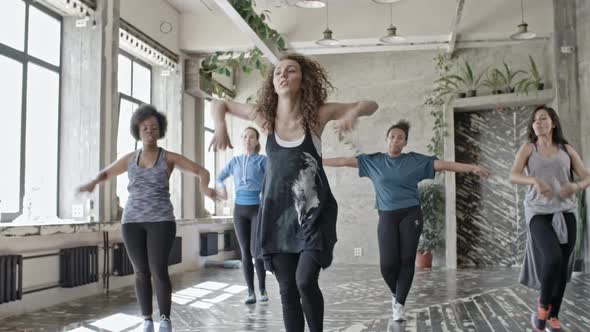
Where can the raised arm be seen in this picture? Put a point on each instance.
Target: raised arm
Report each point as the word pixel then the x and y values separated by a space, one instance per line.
pixel 188 166
pixel 345 113
pixel 451 166
pixel 116 168
pixel 219 108
pixel 341 162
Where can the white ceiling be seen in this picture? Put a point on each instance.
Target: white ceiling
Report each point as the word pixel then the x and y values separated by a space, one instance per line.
pixel 205 28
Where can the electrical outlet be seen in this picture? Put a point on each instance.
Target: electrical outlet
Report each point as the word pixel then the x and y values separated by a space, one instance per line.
pixel 358 252
pixel 77 210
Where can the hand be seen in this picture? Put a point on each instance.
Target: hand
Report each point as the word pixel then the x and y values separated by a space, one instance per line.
pixel 480 171
pixel 542 188
pixel 568 190
pixel 220 140
pixel 211 193
pixel 222 194
pixel 88 188
pixel 347 122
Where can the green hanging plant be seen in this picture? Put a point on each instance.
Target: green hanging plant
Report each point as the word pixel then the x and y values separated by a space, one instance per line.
pixel 227 63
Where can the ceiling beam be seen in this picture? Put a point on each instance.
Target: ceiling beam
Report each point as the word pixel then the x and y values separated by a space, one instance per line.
pixel 269 52
pixel 454 27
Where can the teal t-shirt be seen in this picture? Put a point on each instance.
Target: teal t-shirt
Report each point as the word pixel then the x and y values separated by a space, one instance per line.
pixel 396 178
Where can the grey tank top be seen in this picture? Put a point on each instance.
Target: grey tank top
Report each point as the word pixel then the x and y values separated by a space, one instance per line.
pixel 555 171
pixel 149 195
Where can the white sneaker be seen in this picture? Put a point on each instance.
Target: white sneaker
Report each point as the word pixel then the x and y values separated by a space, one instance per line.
pixel 398 311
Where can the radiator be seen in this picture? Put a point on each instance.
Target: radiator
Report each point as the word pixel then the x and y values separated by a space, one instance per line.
pixel 11 278
pixel 78 266
pixel 121 264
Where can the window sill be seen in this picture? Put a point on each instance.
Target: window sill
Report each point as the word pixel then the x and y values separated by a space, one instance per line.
pixel 56 226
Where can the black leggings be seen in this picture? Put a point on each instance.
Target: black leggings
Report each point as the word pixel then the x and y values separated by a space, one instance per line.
pixel 148 245
pixel 245 221
pixel 298 276
pixel 554 258
pixel 398 233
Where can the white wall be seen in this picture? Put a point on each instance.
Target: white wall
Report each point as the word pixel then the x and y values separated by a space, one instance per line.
pixel 147 15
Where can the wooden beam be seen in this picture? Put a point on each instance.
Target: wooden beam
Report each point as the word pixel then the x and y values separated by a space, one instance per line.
pixel 237 20
pixel 454 26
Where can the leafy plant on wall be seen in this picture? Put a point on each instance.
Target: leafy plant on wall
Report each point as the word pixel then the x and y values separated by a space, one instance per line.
pixel 441 94
pixel 226 63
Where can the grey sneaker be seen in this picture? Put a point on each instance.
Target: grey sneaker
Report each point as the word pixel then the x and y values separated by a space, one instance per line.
pixel 263 296
pixel 398 311
pixel 148 325
pixel 250 299
pixel 165 324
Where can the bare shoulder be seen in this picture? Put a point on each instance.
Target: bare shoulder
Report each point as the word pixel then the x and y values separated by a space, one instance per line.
pixel 526 149
pixel 570 149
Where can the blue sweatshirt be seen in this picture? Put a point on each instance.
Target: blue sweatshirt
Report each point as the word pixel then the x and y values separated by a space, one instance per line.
pixel 248 173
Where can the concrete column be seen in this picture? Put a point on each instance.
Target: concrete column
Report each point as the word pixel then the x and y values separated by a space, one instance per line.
pixel 109 11
pixel 565 70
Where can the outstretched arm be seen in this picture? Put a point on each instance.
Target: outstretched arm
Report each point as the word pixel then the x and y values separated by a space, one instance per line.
pixel 346 113
pixel 188 166
pixel 451 166
pixel 341 162
pixel 116 168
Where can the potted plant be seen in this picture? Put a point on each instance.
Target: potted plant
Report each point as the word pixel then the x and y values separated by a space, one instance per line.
pixel 533 80
pixel 508 78
pixel 493 81
pixel 469 80
pixel 448 85
pixel 433 214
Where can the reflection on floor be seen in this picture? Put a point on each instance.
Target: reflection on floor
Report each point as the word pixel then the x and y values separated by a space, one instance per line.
pixel 356 301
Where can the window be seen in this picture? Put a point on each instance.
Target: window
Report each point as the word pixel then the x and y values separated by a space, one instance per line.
pixel 209 155
pixel 30 63
pixel 134 79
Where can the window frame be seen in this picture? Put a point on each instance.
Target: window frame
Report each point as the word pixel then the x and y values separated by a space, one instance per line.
pixel 213 178
pixel 25 58
pixel 130 98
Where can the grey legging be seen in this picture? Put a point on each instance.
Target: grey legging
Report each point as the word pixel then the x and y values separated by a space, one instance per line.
pixel 148 246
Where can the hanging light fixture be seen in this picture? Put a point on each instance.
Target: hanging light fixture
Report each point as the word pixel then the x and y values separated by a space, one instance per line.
pixel 523 32
pixel 328 40
pixel 391 37
pixel 386 1
pixel 313 4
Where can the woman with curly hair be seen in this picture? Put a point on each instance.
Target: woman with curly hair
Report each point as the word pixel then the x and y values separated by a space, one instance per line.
pixel 546 164
pixel 297 226
pixel 148 225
